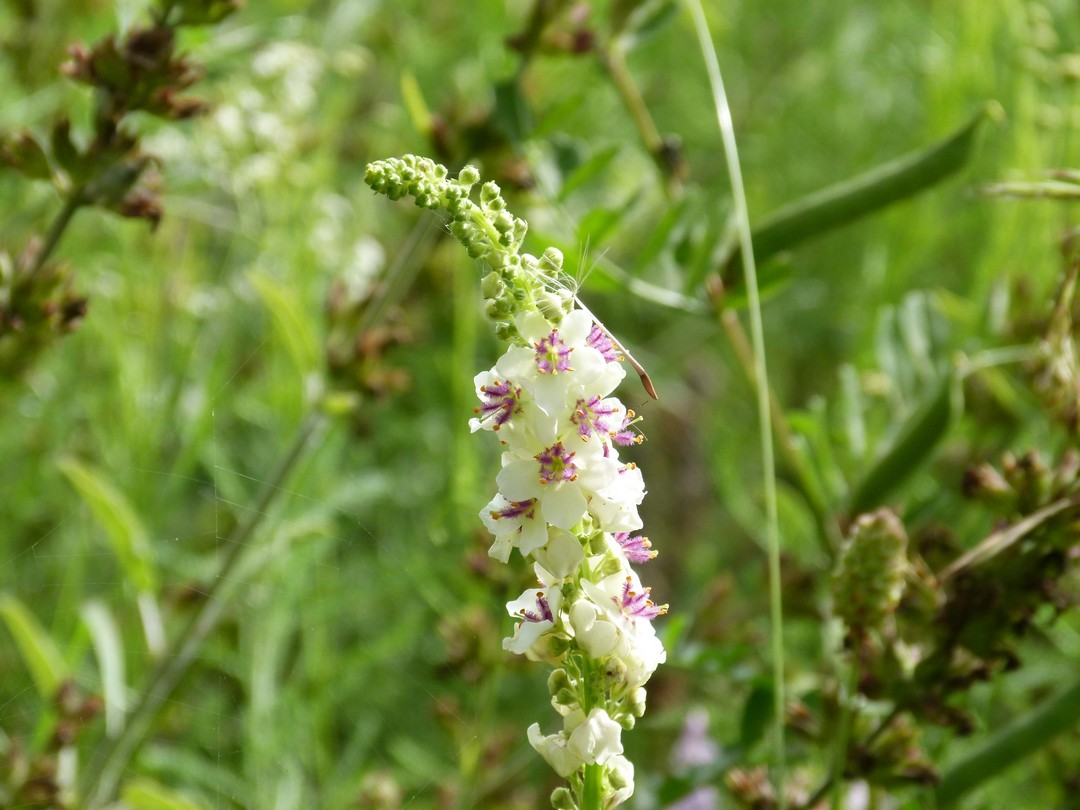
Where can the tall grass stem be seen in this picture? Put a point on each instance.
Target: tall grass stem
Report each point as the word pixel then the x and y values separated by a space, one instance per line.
pixel 742 218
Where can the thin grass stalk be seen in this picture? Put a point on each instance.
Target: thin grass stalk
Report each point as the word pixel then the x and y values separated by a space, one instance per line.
pixel 103 777
pixel 742 220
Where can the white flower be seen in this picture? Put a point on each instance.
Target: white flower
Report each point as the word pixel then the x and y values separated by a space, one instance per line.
pixel 559 367
pixel 621 779
pixel 514 523
pixel 561 556
pixel 562 477
pixel 553 749
pixel 613 618
pixel 592 740
pixel 597 739
pixel 538 609
pixel 615 506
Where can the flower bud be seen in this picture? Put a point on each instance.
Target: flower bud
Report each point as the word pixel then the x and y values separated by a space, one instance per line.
pixel 869 577
pixel 468 176
pixel 557 680
pixel 563 799
pixel 553 257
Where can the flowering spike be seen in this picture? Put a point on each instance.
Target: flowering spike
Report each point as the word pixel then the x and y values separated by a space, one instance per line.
pixel 561 485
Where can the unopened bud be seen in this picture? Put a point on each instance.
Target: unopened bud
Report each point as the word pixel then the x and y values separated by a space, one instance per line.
pixel 869 577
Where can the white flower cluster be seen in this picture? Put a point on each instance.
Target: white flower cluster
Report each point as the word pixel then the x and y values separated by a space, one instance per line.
pixel 569 504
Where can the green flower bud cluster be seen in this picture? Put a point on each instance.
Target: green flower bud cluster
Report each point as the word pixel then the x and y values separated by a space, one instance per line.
pixel 869 578
pixel 488 232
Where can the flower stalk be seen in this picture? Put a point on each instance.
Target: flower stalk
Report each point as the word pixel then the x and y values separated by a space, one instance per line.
pixel 565 499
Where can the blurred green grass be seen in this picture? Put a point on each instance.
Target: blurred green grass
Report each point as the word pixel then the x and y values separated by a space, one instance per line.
pixel 368 640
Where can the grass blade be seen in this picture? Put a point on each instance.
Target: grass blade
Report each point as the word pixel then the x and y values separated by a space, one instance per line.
pixel 117 517
pixel 1023 736
pixel 39 652
pixel 864 194
pixel 109 648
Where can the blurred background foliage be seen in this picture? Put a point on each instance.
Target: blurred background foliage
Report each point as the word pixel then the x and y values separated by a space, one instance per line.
pixel 260 423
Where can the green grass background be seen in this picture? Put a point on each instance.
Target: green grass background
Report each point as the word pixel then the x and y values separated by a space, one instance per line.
pixel 366 643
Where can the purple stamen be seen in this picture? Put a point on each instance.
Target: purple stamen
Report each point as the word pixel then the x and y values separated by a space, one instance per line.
pixel 638 605
pixel 556 464
pixel 515 509
pixel 501 404
pixel 552 355
pixel 543 611
pixel 638 549
pixel 592 418
pixel 624 435
pixel 599 340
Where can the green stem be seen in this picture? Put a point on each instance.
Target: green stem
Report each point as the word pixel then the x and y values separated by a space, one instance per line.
pixel 829 534
pixel 776 613
pixel 593 793
pixel 614 62
pixel 106 770
pixel 846 717
pixel 72 204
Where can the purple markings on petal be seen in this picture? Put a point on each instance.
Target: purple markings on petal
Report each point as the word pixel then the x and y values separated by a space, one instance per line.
pixel 542 612
pixel 600 341
pixel 556 464
pixel 515 509
pixel 637 549
pixel 552 355
pixel 637 604
pixel 501 402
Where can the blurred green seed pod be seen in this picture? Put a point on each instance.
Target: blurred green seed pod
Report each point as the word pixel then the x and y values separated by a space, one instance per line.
pixel 553 257
pixel 636 701
pixel 489 192
pixel 551 306
pixel 557 680
pixel 504 223
pixel 468 177
pixel 984 483
pixel 563 799
pixel 492 285
pixel 869 577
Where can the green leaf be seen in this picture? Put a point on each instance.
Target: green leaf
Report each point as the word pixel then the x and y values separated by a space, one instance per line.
pixel 864 194
pixel 109 649
pixel 115 515
pixel 598 224
pixel 65 152
pixel 916 441
pixel 647 20
pixel 291 322
pixel 23 152
pixel 413 98
pixel 39 652
pixel 669 227
pixel 1011 743
pixel 511 115
pixel 757 714
pixel 142 793
pixel 586 172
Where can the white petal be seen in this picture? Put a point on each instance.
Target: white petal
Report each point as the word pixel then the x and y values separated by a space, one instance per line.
pixel 561 555
pixel 519 480
pixel 563 505
pixel 517 364
pixel 553 749
pixel 532 326
pixel 575 327
pixel 596 740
